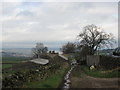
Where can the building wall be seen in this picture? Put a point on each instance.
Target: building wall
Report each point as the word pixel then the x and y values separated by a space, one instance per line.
pixel 93 60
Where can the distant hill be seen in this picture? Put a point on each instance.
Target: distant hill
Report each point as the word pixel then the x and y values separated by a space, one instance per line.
pixel 17 52
pixel 107 51
pixel 20 52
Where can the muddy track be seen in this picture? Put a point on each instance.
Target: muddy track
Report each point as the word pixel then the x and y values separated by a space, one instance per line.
pixel 86 81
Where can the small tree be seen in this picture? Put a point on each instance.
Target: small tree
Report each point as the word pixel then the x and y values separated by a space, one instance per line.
pixel 39 50
pixel 68 48
pixel 81 53
pixel 34 53
pixel 94 38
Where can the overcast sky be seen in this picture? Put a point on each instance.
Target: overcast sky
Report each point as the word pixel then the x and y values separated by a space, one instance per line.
pixel 25 23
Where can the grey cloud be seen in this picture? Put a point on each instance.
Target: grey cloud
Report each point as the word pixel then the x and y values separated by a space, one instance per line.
pixel 25 13
pixel 50 22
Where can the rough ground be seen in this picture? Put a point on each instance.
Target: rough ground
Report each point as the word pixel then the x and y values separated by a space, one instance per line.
pixel 85 81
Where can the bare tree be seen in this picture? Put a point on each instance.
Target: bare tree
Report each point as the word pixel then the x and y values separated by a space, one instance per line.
pixel 39 50
pixel 34 53
pixel 94 38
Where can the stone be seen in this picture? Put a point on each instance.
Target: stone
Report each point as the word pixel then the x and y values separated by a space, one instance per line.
pixel 66 87
pixel 65 83
pixel 69 72
pixel 66 78
pixel 68 81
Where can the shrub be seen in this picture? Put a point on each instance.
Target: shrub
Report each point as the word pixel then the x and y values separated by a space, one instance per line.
pixel 45 56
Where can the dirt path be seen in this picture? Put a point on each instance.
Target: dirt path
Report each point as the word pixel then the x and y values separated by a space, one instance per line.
pixel 86 81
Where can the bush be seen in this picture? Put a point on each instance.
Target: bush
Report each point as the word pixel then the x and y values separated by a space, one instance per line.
pixel 45 56
pixel 81 55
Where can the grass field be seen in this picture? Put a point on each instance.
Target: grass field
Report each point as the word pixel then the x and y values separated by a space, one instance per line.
pixel 96 73
pixel 14 59
pixel 8 61
pixel 6 66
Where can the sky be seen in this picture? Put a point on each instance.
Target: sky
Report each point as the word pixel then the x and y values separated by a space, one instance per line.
pixel 54 23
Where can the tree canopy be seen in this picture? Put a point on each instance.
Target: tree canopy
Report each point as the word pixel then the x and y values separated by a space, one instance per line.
pixel 39 49
pixel 68 48
pixel 94 38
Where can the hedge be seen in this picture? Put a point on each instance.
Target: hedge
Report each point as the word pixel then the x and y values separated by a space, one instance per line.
pixel 109 62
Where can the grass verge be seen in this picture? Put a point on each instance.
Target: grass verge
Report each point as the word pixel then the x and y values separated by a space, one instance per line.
pixel 52 81
pixel 76 72
pixel 96 73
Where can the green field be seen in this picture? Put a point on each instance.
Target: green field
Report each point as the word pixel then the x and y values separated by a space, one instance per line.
pixel 9 61
pixel 14 59
pixel 6 66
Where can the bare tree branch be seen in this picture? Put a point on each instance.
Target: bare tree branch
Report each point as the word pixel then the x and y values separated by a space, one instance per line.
pixel 94 38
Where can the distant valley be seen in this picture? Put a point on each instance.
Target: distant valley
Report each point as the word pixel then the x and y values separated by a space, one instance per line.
pixel 19 52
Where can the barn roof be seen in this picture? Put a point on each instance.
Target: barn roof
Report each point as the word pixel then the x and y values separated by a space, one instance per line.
pixel 40 61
